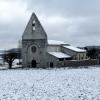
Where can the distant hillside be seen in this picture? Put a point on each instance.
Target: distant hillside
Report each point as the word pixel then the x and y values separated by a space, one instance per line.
pixel 1 52
pixel 90 47
pixel 97 47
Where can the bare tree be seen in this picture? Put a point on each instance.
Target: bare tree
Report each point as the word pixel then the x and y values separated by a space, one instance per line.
pixel 9 57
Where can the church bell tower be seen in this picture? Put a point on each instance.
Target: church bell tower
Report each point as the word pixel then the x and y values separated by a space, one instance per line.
pixel 34 42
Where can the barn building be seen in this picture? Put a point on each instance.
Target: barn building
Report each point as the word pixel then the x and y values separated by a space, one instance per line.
pixel 38 51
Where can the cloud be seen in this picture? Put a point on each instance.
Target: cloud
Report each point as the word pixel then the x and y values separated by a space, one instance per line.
pixel 13 18
pixel 72 21
pixel 72 8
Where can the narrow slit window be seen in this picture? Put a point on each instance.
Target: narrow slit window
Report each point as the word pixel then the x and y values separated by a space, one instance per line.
pixel 33 25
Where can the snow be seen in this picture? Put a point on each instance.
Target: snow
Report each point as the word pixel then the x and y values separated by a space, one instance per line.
pixel 50 84
pixel 59 54
pixel 55 42
pixel 75 49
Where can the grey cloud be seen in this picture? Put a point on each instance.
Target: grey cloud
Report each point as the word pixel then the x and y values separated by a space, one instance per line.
pixel 92 25
pixel 76 9
pixel 85 22
pixel 71 8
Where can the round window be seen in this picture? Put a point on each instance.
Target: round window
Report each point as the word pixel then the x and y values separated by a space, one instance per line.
pixel 33 49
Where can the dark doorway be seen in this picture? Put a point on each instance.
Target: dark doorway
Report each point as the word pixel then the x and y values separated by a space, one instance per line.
pixel 51 64
pixel 34 63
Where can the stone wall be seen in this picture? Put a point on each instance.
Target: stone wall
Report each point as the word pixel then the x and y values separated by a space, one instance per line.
pixel 73 63
pixel 39 55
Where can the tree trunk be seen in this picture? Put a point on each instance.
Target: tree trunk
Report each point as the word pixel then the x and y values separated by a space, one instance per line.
pixel 10 65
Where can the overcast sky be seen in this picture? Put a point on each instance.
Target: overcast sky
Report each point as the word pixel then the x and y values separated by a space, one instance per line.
pixel 76 22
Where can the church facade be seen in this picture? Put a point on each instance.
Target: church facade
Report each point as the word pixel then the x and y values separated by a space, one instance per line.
pixel 38 51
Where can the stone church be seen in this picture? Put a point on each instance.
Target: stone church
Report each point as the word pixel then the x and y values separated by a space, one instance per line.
pixel 38 51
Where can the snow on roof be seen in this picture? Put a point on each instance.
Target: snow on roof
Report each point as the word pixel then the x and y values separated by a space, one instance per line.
pixel 55 42
pixel 59 54
pixel 75 49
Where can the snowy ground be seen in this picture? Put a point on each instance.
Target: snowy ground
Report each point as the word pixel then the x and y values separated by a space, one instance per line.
pixel 53 84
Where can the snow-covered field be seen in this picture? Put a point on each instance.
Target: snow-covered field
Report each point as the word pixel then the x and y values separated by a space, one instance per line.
pixel 50 84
